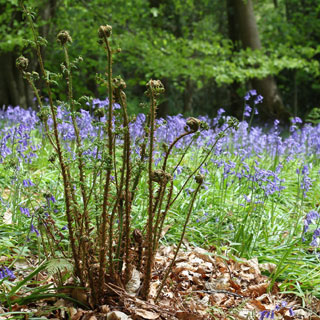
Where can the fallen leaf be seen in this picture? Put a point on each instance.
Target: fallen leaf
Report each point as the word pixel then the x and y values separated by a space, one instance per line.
pixel 258 290
pixel 134 283
pixel 204 255
pixel 7 217
pixel 105 309
pixel 72 311
pixel 78 315
pixel 183 315
pixel 146 314
pixel 164 231
pixel 258 304
pixel 117 315
pixel 270 267
pixel 80 295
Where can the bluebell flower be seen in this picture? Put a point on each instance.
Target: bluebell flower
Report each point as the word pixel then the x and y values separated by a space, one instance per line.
pixel 25 211
pixel 247 96
pixel 258 99
pixel 272 314
pixel 6 273
pixel 296 120
pixel 189 191
pixel 220 112
pixel 247 111
pixel 262 314
pixel 33 229
pixel 314 242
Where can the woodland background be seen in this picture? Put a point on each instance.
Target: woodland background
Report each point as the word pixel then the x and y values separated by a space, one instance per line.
pixel 207 53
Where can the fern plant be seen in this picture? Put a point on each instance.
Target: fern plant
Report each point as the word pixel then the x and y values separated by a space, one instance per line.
pixel 99 192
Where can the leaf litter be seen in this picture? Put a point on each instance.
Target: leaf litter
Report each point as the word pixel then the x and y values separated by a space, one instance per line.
pixel 202 285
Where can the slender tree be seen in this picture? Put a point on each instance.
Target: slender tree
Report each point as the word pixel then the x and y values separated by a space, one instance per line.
pixel 245 21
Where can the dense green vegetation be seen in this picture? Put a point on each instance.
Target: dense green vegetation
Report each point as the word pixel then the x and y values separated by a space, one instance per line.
pixel 194 47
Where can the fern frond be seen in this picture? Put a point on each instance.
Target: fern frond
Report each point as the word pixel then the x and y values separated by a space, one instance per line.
pixel 56 265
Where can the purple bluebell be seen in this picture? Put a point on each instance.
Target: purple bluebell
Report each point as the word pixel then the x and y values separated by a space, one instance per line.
pixel 263 314
pixel 34 229
pixel 25 211
pixel 5 272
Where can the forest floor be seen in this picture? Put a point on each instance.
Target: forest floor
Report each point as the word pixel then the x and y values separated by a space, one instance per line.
pixel 202 285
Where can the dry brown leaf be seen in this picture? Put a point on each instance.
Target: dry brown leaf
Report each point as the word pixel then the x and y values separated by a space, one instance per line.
pixel 217 298
pixel 80 295
pixel 257 290
pixel 146 314
pixel 235 286
pixel 270 267
pixel 105 308
pixel 181 267
pixel 117 315
pixel 196 278
pixel 245 314
pixel 303 314
pixel 78 315
pixel 134 283
pixel 204 255
pixel 246 275
pixel 221 283
pixel 165 230
pixel 257 304
pixel 229 302
pixel 254 264
pixel 7 217
pixel 154 288
pixel 183 315
pixel 72 311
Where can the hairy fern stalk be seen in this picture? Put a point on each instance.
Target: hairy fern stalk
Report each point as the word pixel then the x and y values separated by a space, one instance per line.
pixel 100 191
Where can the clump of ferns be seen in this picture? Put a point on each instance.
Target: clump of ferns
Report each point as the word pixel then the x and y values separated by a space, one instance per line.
pixel 99 196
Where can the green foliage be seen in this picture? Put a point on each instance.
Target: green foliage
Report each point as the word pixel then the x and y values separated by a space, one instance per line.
pixel 176 40
pixel 58 265
pixel 314 116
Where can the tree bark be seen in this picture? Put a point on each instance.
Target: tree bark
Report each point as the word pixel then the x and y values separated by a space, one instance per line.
pixel 14 90
pixel 272 106
pixel 188 97
pixel 163 108
pixel 236 102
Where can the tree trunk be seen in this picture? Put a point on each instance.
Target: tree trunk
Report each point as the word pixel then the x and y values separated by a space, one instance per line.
pixel 163 108
pixel 188 97
pixel 236 102
pixel 272 106
pixel 14 90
